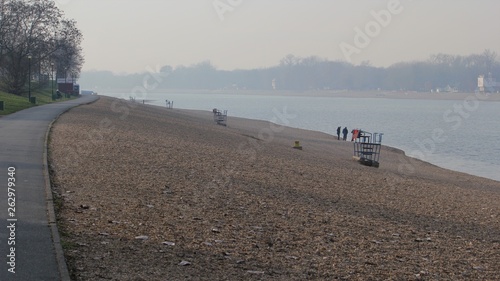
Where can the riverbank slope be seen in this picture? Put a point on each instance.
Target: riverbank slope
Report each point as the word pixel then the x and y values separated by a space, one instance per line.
pixel 148 193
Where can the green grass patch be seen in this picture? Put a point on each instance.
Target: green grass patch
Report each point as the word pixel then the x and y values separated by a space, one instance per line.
pixel 14 103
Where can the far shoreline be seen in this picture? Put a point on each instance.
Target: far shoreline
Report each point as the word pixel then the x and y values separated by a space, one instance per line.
pixel 487 97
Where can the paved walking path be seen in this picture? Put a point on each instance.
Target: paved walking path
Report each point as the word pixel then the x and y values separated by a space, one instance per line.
pixel 30 224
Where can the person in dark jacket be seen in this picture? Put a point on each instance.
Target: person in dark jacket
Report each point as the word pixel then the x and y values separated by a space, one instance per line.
pixel 338 132
pixel 345 132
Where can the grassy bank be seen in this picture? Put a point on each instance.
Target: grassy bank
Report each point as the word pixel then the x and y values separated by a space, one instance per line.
pixel 13 103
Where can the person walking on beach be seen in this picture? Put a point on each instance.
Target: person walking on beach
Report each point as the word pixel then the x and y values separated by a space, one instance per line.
pixel 338 132
pixel 345 132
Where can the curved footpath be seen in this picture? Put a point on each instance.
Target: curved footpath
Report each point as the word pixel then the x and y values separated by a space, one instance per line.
pixel 29 240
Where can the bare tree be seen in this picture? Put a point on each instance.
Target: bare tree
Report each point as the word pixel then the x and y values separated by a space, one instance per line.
pixel 33 35
pixel 67 53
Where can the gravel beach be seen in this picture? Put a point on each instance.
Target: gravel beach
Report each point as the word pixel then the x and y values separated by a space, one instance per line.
pixel 148 193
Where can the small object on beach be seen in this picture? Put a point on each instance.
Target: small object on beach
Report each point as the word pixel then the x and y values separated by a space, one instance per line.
pixel 478 268
pixel 167 243
pixel 184 263
pixel 297 145
pixel 428 239
pixel 142 237
pixel 255 272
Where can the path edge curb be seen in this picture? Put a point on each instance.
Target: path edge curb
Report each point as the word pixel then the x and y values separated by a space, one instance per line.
pixel 49 199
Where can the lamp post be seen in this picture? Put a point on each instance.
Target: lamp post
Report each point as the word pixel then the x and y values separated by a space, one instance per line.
pixel 52 79
pixel 29 77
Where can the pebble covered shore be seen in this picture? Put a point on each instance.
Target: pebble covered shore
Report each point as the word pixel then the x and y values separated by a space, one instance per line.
pixel 148 193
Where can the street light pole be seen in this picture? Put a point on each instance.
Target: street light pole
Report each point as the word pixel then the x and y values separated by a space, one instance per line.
pixel 52 79
pixel 29 77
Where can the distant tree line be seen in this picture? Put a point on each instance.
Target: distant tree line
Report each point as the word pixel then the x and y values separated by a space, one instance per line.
pixel 36 40
pixel 313 73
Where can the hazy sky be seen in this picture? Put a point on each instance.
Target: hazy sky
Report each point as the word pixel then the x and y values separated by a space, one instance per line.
pixel 127 36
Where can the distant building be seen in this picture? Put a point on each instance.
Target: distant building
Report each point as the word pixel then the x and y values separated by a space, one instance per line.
pixel 68 86
pixel 487 84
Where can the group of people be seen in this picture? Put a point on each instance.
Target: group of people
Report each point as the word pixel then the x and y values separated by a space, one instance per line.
pixel 344 133
pixel 355 133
